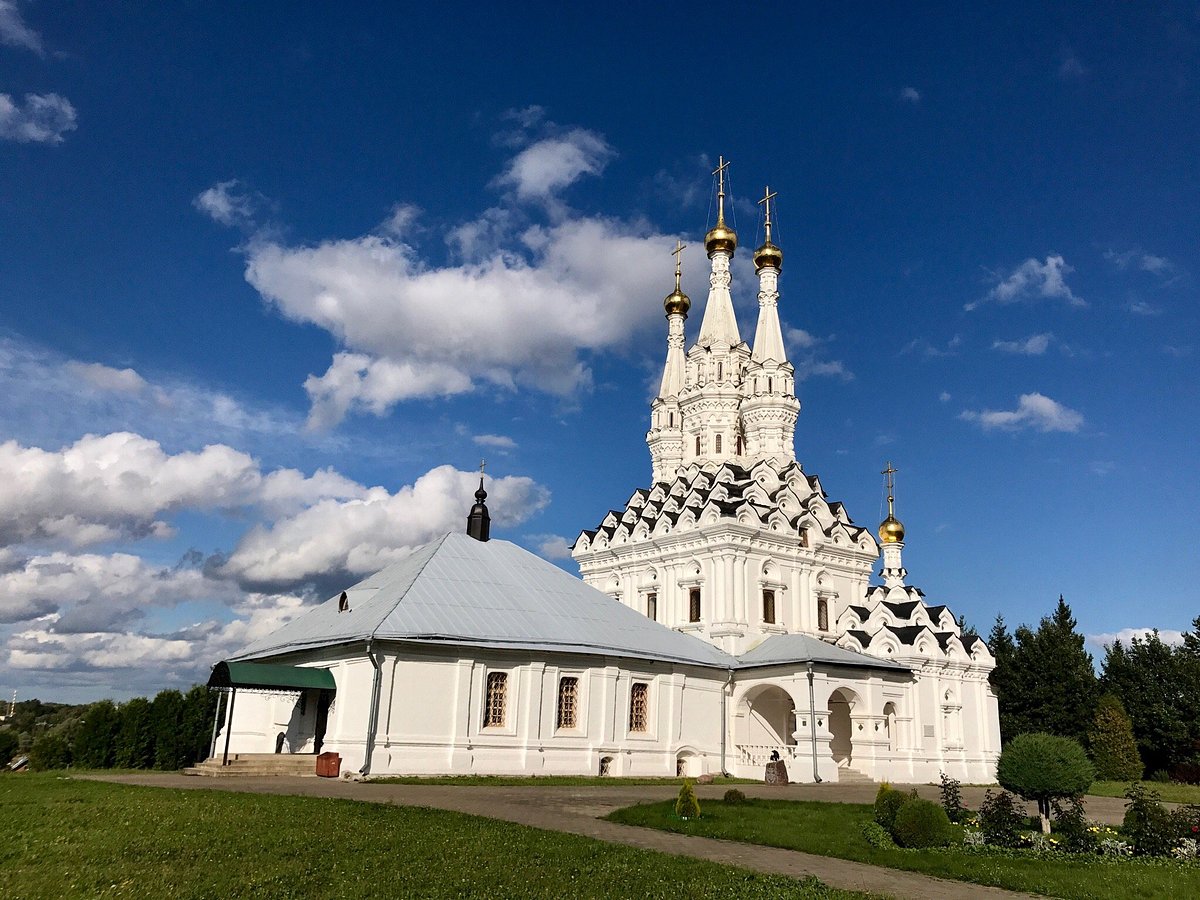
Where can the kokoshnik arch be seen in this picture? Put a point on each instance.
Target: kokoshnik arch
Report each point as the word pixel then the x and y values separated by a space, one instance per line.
pixel 725 614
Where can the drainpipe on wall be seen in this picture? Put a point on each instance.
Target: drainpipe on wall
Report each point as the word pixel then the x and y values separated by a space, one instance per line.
pixel 812 722
pixel 725 719
pixel 373 717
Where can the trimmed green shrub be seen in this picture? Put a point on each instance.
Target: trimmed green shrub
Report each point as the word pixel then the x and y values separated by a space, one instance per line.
pixel 1000 820
pixel 876 835
pixel 734 797
pixel 1044 767
pixel 686 805
pixel 951 789
pixel 1114 750
pixel 888 801
pixel 50 751
pixel 922 823
pixel 1148 826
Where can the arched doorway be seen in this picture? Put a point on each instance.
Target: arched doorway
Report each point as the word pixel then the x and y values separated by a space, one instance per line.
pixel 841 745
pixel 765 722
pixel 889 725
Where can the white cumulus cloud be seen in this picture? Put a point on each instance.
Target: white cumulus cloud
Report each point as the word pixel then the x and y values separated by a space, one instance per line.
pixel 226 202
pixel 549 165
pixel 1032 280
pixel 1125 635
pixel 41 119
pixel 107 378
pixel 1035 411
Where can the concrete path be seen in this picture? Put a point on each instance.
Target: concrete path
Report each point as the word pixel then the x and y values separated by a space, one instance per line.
pixel 576 810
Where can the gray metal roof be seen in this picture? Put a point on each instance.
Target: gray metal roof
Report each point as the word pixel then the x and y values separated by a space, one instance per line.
pixel 787 649
pixel 460 591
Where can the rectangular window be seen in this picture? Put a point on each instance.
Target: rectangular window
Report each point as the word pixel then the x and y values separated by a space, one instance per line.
pixel 652 607
pixel 718 443
pixel 769 607
pixel 697 445
pixel 823 615
pixel 497 691
pixel 694 605
pixel 568 702
pixel 639 707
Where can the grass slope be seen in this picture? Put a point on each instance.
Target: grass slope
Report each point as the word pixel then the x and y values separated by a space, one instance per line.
pixel 547 781
pixel 1170 791
pixel 61 837
pixel 835 829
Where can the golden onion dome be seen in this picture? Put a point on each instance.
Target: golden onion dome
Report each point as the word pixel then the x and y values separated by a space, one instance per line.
pixel 721 239
pixel 677 302
pixel 768 255
pixel 891 530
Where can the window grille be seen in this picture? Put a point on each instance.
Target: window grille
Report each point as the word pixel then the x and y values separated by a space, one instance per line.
pixel 694 605
pixel 639 703
pixel 652 607
pixel 568 702
pixel 769 607
pixel 823 615
pixel 718 443
pixel 497 695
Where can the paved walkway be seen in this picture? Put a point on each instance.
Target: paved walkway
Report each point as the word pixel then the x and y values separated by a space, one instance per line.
pixel 576 810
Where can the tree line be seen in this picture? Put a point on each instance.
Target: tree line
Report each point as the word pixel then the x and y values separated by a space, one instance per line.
pixel 1139 716
pixel 170 732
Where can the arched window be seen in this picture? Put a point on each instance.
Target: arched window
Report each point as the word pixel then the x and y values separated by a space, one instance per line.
pixel 652 607
pixel 769 607
pixel 718 443
pixel 720 371
pixel 497 696
pixel 823 614
pixel 770 385
pixel 639 706
pixel 568 702
pixel 697 445
pixel 739 445
pixel 694 605
pixel 343 603
pixel 670 420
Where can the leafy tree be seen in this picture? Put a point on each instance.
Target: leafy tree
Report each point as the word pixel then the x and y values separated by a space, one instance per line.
pixel 166 713
pixel 199 711
pixel 95 741
pixel 1151 680
pixel 1114 750
pixel 1044 767
pixel 686 804
pixel 50 751
pixel 10 744
pixel 135 736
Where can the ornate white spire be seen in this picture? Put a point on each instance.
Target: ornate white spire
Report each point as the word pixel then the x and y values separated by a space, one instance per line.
pixel 665 437
pixel 719 323
pixel 768 259
pixel 676 305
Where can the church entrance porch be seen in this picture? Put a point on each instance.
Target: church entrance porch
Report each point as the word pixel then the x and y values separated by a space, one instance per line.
pixel 841 728
pixel 765 725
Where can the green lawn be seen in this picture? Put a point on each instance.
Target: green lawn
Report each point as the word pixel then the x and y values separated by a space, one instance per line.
pixel 834 829
pixel 548 781
pixel 1169 791
pixel 61 837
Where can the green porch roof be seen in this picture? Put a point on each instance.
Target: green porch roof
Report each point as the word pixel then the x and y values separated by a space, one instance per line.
pixel 227 674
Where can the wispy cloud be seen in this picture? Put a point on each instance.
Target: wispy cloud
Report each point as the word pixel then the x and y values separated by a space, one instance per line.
pixel 227 203
pixel 1143 308
pixel 550 546
pixel 910 95
pixel 497 441
pixel 1034 411
pixel 15 33
pixel 41 119
pixel 1034 345
pixel 547 166
pixel 1125 635
pixel 1137 259
pixel 924 347
pixel 1031 280
pixel 1102 467
pixel 1070 67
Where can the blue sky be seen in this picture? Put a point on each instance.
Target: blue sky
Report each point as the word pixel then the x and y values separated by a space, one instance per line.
pixel 273 279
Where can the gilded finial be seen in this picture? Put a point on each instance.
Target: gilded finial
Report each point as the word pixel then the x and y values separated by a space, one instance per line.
pixel 677 302
pixel 768 255
pixel 720 238
pixel 891 530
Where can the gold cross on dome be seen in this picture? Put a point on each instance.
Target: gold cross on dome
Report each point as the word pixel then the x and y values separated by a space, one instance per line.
pixel 719 171
pixel 891 484
pixel 482 466
pixel 768 196
pixel 678 254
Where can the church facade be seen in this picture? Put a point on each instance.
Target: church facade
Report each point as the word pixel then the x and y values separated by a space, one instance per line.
pixel 726 616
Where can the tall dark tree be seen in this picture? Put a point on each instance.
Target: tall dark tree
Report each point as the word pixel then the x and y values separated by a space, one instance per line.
pixel 199 711
pixel 9 745
pixel 169 743
pixel 1044 679
pixel 1151 678
pixel 1111 742
pixel 95 741
pixel 135 736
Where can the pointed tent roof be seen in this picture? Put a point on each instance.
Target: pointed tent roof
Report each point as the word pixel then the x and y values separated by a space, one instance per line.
pixel 463 592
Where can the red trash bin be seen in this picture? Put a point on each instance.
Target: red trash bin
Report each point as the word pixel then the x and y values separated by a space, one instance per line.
pixel 329 765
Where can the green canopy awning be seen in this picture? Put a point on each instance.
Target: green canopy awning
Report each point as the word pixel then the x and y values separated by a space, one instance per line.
pixel 263 675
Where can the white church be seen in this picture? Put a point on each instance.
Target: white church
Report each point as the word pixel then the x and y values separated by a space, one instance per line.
pixel 726 616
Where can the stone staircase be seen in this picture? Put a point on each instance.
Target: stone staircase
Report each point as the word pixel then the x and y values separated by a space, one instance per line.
pixel 852 776
pixel 257 764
